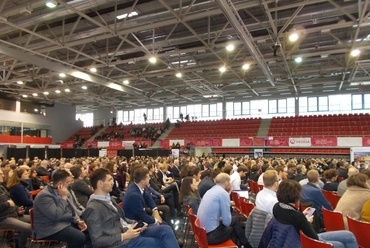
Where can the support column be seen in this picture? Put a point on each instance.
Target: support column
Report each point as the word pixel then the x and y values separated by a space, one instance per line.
pixel 17 106
pixel 164 113
pixel 296 106
pixel 223 109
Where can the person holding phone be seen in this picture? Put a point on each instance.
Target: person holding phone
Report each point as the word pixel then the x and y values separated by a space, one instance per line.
pixel 56 217
pixel 110 228
pixel 288 195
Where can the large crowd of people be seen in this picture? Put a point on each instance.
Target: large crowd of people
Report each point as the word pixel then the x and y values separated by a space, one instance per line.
pixel 136 202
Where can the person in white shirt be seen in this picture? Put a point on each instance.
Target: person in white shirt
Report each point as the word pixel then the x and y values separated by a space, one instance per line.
pixel 266 198
pixel 236 177
pixel 263 168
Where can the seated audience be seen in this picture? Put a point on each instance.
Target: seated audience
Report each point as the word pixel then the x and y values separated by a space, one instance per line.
pixel 284 212
pixel 266 198
pixel 12 216
pixel 17 186
pixel 353 200
pixel 254 173
pixel 312 194
pixel 112 167
pixel 80 188
pixel 301 173
pixel 8 173
pixel 330 177
pixel 55 217
pixel 108 225
pixel 292 170
pixel 137 198
pixel 189 193
pixel 343 169
pixel 236 177
pixel 342 187
pixel 121 176
pixel 263 169
pixel 37 182
pixel 208 182
pixel 215 216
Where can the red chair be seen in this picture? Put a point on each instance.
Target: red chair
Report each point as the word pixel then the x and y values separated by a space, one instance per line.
pixel 246 206
pixel 333 220
pixel 192 218
pixel 335 200
pixel 235 198
pixel 332 197
pixel 361 231
pixel 120 205
pixel 202 240
pixel 34 193
pixel 307 242
pixel 34 239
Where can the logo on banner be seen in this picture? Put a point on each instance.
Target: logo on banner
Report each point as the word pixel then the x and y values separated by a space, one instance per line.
pixel 299 141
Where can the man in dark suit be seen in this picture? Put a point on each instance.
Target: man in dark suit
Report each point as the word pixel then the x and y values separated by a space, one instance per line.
pixel 110 228
pixel 80 188
pixel 136 199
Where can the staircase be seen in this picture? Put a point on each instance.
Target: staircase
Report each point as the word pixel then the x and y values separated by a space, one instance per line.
pixel 264 128
pixel 92 138
pixel 156 144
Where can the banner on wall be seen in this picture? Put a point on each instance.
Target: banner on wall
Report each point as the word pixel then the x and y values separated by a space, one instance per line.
pixel 115 143
pixel 246 142
pixel 324 141
pixel 258 142
pixel 66 145
pixel 277 142
pixel 91 144
pixel 365 141
pixel 299 142
pixel 360 153
pixel 128 144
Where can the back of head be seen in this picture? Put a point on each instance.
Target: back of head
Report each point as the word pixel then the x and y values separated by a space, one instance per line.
pixel 227 169
pixel 331 173
pixel 140 174
pixel 269 178
pixel 242 168
pixel 289 191
pixel 366 172
pixel 214 173
pixel 222 178
pixel 98 175
pixel 76 170
pixel 358 180
pixel 60 175
pixel 265 167
pixel 313 176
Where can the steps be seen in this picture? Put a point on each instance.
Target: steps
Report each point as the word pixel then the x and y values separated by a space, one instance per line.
pixel 264 128
pixel 157 143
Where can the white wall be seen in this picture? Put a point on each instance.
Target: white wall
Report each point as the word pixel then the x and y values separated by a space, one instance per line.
pixel 60 118
pixel 103 114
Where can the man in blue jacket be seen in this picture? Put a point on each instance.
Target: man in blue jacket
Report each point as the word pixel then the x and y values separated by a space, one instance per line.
pixel 137 198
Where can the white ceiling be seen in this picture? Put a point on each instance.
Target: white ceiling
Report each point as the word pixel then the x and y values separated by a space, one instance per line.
pixel 38 43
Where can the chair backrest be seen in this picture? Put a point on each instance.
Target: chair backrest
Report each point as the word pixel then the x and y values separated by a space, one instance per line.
pixel 200 232
pixel 361 231
pixel 333 220
pixel 34 193
pixel 307 242
pixel 332 197
pixel 193 218
pixel 246 207
pixel 335 200
pixel 235 198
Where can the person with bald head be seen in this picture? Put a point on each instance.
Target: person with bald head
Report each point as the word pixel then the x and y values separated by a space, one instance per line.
pixel 311 194
pixel 342 187
pixel 215 216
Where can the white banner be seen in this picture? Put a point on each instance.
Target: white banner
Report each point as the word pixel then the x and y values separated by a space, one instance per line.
pixel 230 142
pixel 349 141
pixel 103 143
pixel 175 153
pixel 128 144
pixel 300 141
pixel 102 152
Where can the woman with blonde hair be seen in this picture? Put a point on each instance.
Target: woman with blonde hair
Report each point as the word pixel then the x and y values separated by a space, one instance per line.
pixel 354 198
pixel 17 185
pixel 7 174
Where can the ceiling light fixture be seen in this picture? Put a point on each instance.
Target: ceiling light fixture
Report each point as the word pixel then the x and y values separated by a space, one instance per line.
pixel 293 37
pixel 84 87
pixel 179 75
pixel 355 53
pixel 222 69
pixel 230 47
pixel 245 67
pixel 35 94
pixel 19 82
pixel 67 90
pixel 24 96
pixel 123 16
pixel 46 93
pixel 62 75
pixel 93 69
pixel 57 91
pixel 126 82
pixel 153 60
pixel 36 110
pixel 298 59
pixel 51 3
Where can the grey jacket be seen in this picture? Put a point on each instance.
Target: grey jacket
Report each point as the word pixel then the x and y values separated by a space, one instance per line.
pixel 82 191
pixel 51 213
pixel 255 226
pixel 103 223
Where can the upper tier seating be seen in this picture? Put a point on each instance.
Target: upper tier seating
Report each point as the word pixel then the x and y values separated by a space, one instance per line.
pixel 84 133
pixel 217 129
pixel 322 125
